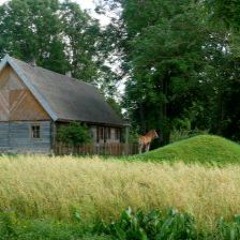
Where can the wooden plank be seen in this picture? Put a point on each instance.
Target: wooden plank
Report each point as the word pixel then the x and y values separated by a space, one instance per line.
pixel 4 105
pixel 23 106
pixel 9 80
pixel 4 135
pixel 4 75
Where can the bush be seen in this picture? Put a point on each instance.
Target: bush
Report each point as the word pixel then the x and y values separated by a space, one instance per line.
pixel 73 134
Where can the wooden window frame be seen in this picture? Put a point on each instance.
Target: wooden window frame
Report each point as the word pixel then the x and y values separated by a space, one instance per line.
pixel 117 134
pixel 100 134
pixel 108 133
pixel 35 131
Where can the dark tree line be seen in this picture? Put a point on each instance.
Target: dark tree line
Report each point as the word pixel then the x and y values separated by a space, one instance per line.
pixel 182 64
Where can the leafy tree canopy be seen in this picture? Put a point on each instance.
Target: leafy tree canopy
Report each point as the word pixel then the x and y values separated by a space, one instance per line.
pixel 59 36
pixel 181 60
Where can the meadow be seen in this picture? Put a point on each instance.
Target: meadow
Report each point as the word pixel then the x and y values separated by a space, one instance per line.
pixel 91 190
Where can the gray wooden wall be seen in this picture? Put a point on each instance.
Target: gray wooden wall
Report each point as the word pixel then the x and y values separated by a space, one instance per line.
pixel 16 137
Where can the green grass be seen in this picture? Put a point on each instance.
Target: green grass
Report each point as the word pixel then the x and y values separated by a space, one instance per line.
pixel 202 149
pixel 138 225
pixel 13 227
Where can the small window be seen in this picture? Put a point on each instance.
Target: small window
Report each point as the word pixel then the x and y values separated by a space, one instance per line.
pixel 103 133
pixel 100 134
pixel 117 133
pixel 108 133
pixel 35 131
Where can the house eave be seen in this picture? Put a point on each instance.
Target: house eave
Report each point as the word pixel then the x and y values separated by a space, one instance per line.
pixel 94 123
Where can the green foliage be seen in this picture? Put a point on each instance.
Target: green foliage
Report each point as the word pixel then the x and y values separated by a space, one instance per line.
pixel 183 129
pixel 163 50
pixel 165 226
pixel 31 30
pixel 182 62
pixel 205 149
pixel 229 229
pixel 7 225
pixel 226 11
pixel 58 35
pixel 83 35
pixel 177 135
pixel 73 134
pixel 151 226
pixel 14 228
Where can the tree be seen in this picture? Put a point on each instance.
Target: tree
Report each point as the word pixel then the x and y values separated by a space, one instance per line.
pixel 32 30
pixel 58 35
pixel 224 11
pixel 82 35
pixel 223 61
pixel 181 63
pixel 163 51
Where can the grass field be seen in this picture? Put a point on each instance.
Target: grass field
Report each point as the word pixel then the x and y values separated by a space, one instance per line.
pixel 93 189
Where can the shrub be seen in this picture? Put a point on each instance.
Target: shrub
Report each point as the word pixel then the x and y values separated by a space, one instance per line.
pixel 73 134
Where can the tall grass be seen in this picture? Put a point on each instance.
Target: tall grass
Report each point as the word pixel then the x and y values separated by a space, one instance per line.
pixel 91 188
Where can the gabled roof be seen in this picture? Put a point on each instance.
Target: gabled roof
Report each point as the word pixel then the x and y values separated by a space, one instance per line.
pixel 64 98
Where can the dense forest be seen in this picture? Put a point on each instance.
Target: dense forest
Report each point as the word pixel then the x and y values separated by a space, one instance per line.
pixel 180 62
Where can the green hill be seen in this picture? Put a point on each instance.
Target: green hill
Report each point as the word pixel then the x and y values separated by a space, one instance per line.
pixel 202 148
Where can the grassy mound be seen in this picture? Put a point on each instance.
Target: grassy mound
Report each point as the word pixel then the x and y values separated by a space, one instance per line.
pixel 202 148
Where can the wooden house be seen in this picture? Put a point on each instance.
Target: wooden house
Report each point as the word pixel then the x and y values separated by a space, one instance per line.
pixel 34 102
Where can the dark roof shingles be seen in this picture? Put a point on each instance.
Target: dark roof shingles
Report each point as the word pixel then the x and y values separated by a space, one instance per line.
pixel 69 98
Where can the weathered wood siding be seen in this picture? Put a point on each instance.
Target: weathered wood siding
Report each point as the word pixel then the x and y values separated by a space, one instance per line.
pixel 16 137
pixel 16 102
pixel 4 135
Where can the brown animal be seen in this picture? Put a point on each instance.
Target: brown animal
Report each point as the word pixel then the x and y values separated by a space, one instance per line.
pixel 144 141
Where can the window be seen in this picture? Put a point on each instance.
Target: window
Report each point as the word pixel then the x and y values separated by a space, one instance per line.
pixel 35 131
pixel 104 133
pixel 117 133
pixel 108 133
pixel 100 134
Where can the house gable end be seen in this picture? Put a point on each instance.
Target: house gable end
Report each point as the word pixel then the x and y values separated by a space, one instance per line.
pixel 30 87
pixel 17 103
